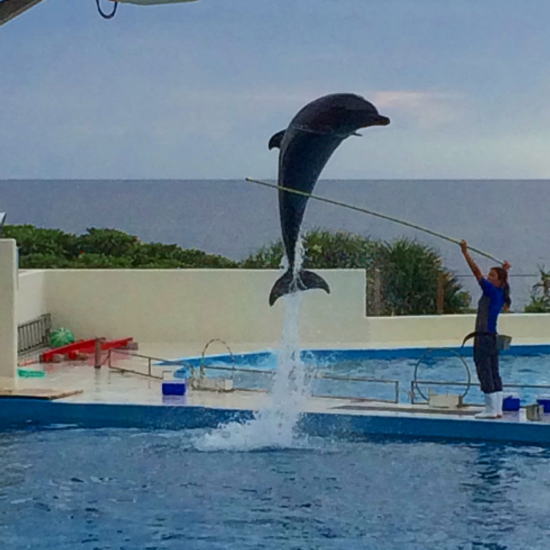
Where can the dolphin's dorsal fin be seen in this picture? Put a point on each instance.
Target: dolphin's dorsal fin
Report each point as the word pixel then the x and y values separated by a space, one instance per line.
pixel 276 139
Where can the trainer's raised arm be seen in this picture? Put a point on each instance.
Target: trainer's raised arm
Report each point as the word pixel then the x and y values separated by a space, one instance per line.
pixel 470 261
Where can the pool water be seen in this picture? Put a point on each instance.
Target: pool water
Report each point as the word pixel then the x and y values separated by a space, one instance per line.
pixel 134 489
pixel 433 365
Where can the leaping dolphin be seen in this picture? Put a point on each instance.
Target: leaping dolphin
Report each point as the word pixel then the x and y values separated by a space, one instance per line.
pixel 304 149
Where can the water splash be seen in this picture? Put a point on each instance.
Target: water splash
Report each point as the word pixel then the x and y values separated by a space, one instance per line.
pixel 274 426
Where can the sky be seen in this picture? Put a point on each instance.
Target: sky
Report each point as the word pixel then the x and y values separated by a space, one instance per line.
pixel 195 90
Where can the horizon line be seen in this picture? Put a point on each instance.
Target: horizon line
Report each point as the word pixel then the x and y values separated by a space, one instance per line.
pixel 271 179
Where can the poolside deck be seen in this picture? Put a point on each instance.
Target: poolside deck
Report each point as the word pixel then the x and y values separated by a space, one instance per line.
pixel 74 392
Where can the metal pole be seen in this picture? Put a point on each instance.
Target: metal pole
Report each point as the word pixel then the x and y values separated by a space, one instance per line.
pixel 373 213
pixel 377 290
pixel 97 354
pixel 440 294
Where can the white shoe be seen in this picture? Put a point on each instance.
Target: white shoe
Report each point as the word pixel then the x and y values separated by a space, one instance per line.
pixel 498 403
pixel 490 406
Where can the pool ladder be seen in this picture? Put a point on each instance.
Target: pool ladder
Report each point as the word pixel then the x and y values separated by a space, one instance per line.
pixel 206 346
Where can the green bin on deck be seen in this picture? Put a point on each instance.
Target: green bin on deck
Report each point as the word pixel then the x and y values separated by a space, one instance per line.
pixel 61 337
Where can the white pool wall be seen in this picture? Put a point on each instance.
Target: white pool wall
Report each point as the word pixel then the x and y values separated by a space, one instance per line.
pixel 8 308
pixel 195 305
pixel 32 295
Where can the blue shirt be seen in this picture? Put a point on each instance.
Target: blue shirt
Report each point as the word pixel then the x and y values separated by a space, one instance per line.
pixel 489 306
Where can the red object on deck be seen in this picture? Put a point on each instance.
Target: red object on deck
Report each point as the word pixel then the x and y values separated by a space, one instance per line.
pixel 83 346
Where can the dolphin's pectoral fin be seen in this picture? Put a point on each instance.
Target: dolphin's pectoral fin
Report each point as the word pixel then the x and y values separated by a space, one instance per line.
pixel 276 139
pixel 312 280
pixel 287 284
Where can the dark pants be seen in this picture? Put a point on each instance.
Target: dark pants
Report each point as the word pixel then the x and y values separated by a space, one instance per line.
pixel 486 360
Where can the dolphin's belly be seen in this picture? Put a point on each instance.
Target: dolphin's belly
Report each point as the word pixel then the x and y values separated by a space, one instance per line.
pixel 303 157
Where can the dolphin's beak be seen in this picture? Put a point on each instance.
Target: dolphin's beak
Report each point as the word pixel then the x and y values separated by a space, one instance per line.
pixel 381 121
pixel 376 120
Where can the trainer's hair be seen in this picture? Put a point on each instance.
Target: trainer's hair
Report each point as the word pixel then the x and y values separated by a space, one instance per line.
pixel 503 278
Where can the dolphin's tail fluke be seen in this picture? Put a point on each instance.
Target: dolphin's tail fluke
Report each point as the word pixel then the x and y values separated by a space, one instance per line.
pixel 287 284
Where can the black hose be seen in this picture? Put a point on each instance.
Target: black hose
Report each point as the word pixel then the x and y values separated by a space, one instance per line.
pixel 425 355
pixel 106 15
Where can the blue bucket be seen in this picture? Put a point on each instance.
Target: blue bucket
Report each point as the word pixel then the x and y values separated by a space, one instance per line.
pixel 545 402
pixel 174 387
pixel 511 403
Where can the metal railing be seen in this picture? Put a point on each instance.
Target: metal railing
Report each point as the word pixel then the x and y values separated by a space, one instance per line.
pixel 206 346
pixel 148 365
pixel 395 383
pixel 34 334
pixel 316 376
pixel 198 371
pixel 415 387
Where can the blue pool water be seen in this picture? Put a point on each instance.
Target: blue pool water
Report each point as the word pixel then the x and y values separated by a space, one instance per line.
pixel 132 489
pixel 521 365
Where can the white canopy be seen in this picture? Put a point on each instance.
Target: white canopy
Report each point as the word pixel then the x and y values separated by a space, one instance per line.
pixel 152 2
pixel 12 8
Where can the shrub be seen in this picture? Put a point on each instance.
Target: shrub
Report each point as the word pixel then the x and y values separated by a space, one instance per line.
pixel 323 249
pixel 405 272
pixel 540 294
pixel 44 242
pixel 102 249
pixel 108 242
pixel 409 274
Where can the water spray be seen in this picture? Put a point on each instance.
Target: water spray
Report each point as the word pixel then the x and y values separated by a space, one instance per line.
pixel 275 424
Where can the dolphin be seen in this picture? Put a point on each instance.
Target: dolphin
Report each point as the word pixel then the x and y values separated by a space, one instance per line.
pixel 304 149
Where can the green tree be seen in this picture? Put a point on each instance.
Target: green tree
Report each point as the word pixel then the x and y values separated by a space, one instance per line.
pixel 405 272
pixel 103 249
pixel 323 250
pixel 44 261
pixel 409 278
pixel 109 242
pixel 540 294
pixel 100 261
pixel 267 257
pixel 197 258
pixel 47 242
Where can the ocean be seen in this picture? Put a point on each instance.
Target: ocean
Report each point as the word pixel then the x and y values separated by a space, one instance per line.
pixel 507 218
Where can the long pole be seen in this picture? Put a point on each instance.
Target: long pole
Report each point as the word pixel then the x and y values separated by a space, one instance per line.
pixel 373 213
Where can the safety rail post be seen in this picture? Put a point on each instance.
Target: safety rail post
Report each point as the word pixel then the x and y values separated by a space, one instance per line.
pixel 34 334
pixel 377 292
pixel 440 293
pixel 97 352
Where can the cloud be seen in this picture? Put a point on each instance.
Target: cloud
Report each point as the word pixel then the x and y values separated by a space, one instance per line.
pixel 428 110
